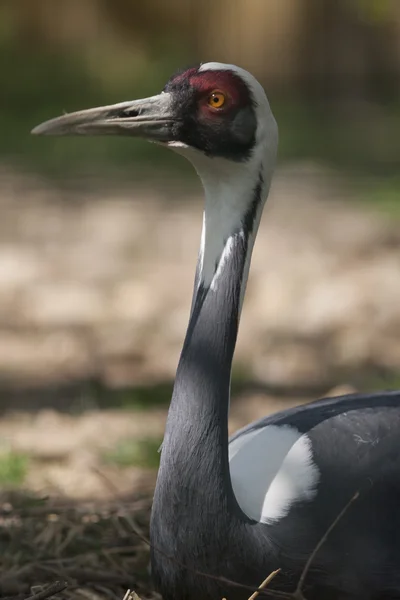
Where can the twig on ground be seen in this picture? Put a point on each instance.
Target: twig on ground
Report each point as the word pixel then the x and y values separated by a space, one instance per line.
pixel 131 595
pixel 96 577
pixel 49 591
pixel 265 583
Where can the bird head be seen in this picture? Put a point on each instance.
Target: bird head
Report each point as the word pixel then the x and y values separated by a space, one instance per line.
pixel 210 111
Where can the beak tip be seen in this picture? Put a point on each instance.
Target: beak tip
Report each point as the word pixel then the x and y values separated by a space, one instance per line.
pixel 38 130
pixel 52 127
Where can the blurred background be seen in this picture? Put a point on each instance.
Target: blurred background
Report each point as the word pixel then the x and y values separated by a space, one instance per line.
pixel 99 237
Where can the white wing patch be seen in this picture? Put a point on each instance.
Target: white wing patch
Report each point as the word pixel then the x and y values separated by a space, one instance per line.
pixel 271 469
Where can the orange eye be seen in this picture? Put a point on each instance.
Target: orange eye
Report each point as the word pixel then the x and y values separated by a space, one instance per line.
pixel 216 99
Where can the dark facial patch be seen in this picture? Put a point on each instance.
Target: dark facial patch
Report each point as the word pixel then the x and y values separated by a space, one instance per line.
pixel 229 132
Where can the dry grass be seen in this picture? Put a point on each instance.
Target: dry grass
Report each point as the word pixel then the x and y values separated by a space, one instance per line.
pixel 93 550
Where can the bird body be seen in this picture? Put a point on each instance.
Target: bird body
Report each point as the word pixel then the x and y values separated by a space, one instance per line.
pixel 262 501
pixel 290 499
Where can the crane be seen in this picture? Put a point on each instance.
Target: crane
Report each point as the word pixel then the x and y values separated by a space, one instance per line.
pixel 240 508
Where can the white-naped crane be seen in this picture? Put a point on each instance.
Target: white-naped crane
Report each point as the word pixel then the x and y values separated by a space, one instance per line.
pixel 240 508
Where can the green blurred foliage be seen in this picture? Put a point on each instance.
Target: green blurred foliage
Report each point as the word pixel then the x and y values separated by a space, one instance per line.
pixel 375 11
pixel 42 85
pixel 135 452
pixel 379 193
pixel 13 468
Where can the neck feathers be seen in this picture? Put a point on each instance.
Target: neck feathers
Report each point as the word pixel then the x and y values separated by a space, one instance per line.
pixel 230 213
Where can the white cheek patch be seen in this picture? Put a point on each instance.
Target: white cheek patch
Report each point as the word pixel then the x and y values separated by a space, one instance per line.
pixel 271 469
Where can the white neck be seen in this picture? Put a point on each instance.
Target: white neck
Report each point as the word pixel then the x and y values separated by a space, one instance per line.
pixel 228 197
pixel 229 194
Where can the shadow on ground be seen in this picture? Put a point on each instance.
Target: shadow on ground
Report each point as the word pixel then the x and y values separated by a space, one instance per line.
pixel 92 392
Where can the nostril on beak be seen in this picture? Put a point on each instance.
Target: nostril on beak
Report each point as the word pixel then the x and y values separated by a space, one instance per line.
pixel 131 112
pixel 124 113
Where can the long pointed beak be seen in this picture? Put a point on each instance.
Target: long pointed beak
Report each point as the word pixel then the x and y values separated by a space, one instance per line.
pixel 150 118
